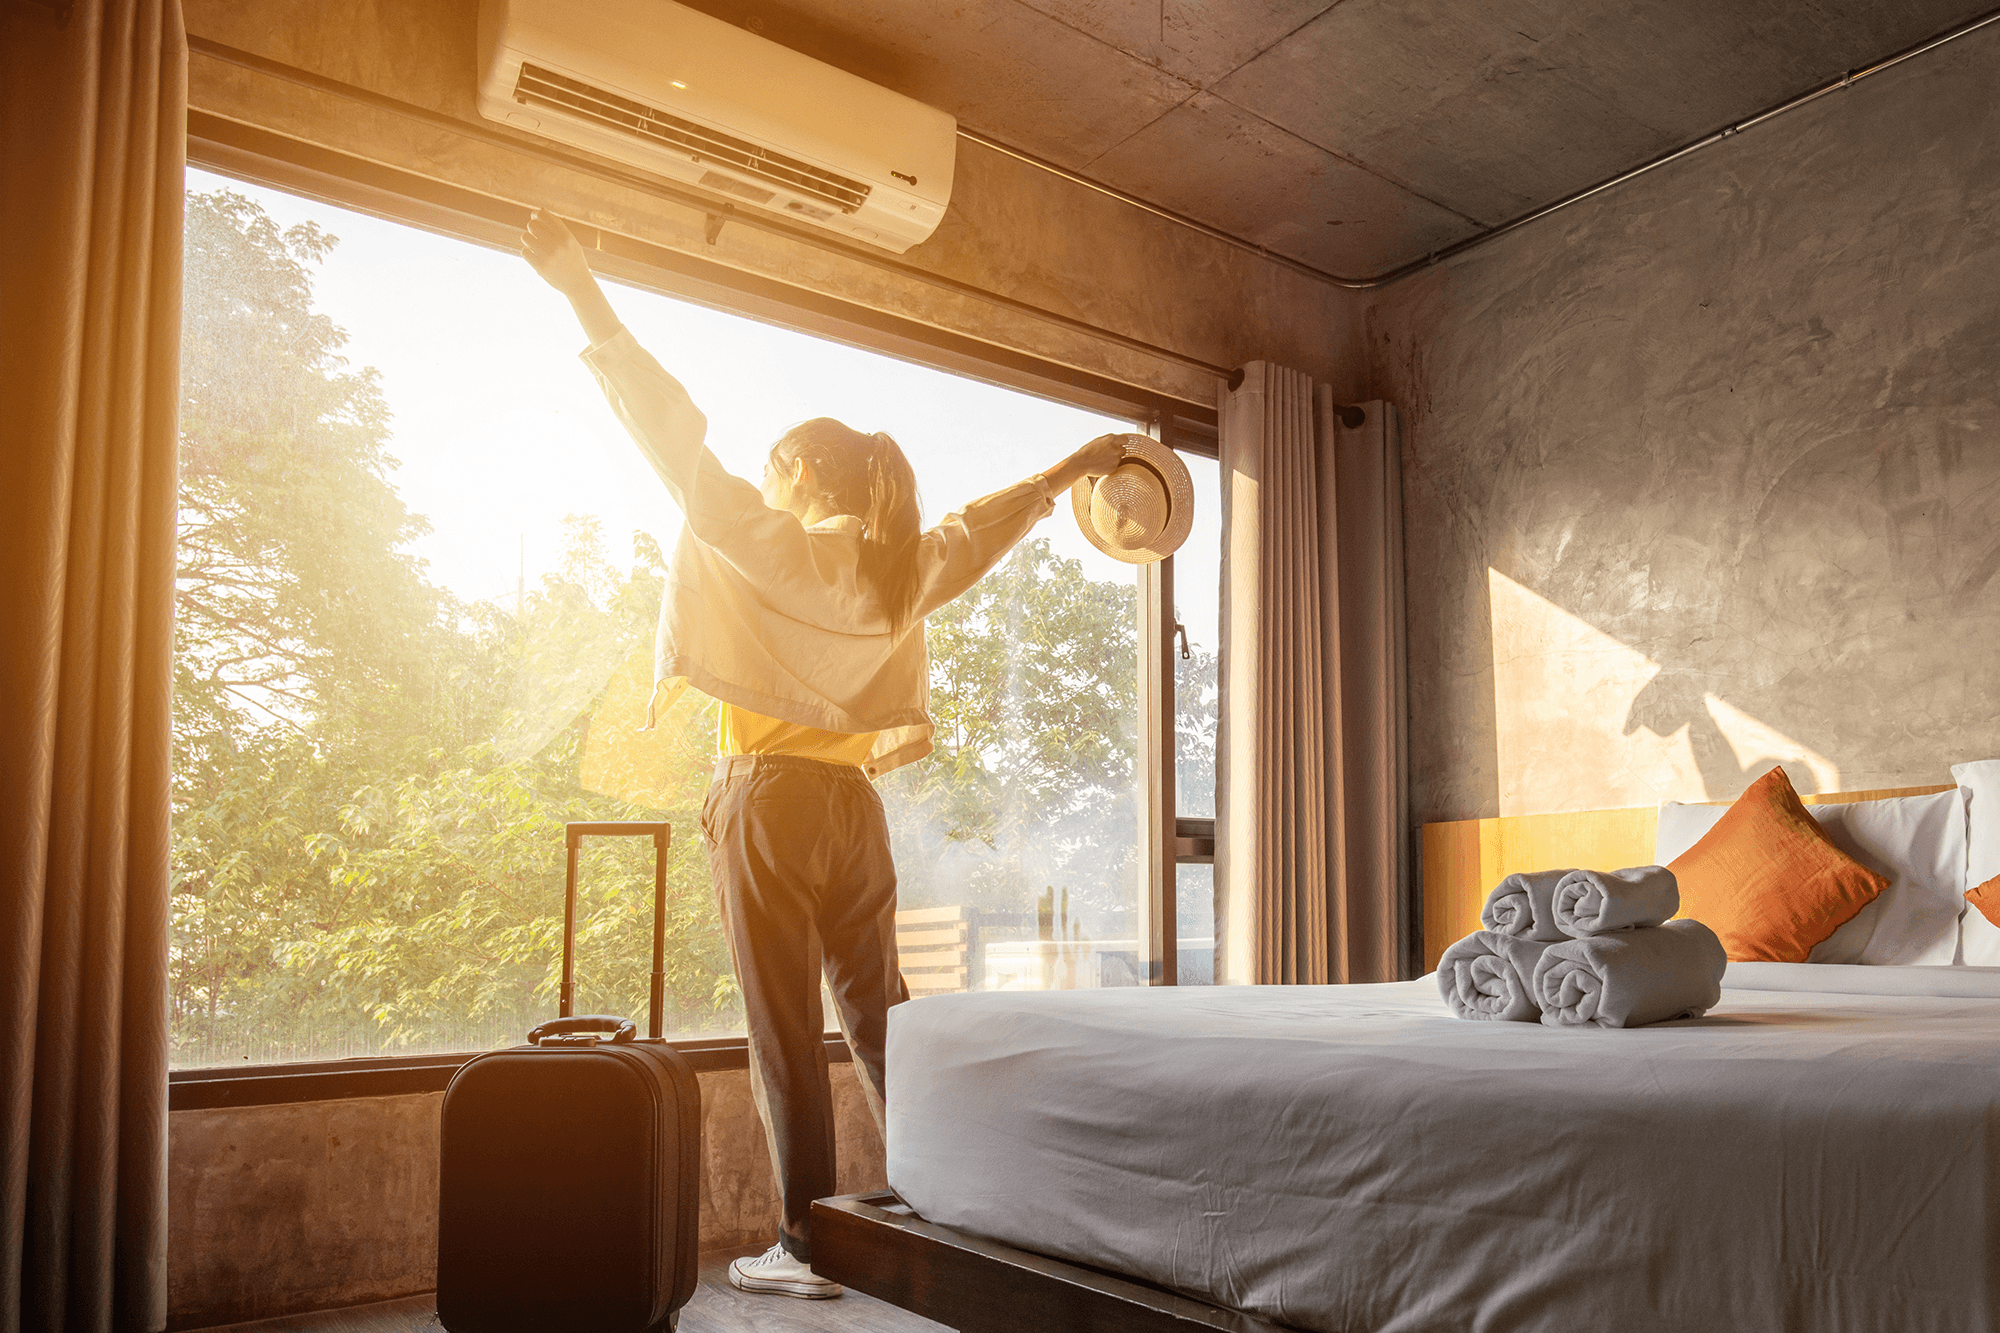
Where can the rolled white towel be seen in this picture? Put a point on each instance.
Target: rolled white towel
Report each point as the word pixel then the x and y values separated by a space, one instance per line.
pixel 1488 975
pixel 1631 977
pixel 1596 902
pixel 1524 906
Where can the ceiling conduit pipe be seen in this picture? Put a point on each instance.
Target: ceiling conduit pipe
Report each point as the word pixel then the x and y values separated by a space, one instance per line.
pixel 1435 257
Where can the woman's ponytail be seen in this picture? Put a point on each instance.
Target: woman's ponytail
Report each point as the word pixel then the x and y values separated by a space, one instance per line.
pixel 892 522
pixel 867 476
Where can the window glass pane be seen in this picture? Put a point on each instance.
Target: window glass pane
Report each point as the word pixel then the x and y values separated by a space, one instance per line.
pixel 1195 922
pixel 1197 601
pixel 420 564
pixel 1016 843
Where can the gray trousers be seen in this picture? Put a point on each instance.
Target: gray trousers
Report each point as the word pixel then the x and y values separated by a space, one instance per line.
pixel 799 851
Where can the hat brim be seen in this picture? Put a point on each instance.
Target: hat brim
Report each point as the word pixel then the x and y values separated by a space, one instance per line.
pixel 1180 502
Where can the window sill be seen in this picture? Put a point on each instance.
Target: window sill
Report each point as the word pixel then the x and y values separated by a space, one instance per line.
pixel 392 1076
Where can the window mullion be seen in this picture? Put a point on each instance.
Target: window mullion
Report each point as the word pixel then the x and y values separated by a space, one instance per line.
pixel 1157 831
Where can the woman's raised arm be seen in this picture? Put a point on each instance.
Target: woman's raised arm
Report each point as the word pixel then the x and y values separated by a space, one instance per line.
pixel 956 553
pixel 653 406
pixel 551 250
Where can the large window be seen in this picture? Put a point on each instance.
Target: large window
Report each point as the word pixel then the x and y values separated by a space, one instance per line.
pixel 419 568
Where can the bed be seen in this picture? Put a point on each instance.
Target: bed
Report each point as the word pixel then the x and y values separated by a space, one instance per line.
pixel 1818 1152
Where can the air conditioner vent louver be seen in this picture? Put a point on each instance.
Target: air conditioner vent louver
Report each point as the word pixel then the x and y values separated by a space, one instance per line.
pixel 541 87
pixel 715 180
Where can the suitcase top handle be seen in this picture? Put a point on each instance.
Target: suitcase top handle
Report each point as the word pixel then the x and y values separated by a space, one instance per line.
pixel 621 1029
pixel 662 834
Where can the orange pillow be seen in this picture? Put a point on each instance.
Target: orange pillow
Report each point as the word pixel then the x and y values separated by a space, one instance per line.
pixel 1767 880
pixel 1987 899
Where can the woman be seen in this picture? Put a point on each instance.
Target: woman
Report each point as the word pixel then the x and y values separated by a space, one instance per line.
pixel 800 607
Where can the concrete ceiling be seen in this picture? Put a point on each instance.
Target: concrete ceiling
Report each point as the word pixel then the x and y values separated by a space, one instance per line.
pixel 1351 135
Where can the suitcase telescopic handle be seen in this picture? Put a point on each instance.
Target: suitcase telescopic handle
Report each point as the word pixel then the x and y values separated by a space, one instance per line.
pixel 662 835
pixel 621 1029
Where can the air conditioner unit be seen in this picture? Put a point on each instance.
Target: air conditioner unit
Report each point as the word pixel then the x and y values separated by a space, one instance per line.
pixel 676 93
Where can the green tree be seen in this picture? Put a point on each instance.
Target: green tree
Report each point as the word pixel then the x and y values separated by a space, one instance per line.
pixel 296 598
pixel 370 776
pixel 1034 691
pixel 282 660
pixel 1196 705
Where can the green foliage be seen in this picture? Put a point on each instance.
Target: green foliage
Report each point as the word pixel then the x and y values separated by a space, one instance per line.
pixel 296 603
pixel 1196 712
pixel 1034 693
pixel 371 777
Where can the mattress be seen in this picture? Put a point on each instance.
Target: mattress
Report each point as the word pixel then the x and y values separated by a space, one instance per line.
pixel 1821 1151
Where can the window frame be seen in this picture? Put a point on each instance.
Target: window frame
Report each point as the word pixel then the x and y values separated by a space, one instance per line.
pixel 1168 839
pixel 263 157
pixel 219 1087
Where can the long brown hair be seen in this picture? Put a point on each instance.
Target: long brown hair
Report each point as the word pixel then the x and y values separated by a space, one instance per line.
pixel 867 476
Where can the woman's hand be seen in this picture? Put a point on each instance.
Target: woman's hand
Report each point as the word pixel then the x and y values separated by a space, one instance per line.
pixel 551 249
pixel 1096 459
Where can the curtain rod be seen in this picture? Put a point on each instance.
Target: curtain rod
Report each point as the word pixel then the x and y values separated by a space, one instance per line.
pixel 714 209
pixel 1847 80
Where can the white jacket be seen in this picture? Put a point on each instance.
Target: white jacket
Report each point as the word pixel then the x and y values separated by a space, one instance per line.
pixel 767 614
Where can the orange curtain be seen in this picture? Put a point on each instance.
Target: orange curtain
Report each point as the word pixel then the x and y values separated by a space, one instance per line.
pixel 92 149
pixel 1312 875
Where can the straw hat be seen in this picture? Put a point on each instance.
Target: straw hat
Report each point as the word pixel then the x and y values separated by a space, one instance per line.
pixel 1140 512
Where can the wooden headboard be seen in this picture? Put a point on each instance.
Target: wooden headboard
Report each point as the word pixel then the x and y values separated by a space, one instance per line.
pixel 1464 859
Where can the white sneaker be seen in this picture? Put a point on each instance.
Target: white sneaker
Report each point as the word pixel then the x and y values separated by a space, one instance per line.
pixel 778 1273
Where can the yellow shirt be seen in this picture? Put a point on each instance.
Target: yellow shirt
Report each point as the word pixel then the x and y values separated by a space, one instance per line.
pixel 745 732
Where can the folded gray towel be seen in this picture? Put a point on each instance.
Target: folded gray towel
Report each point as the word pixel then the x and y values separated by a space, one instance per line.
pixel 1524 905
pixel 1595 902
pixel 1630 977
pixel 1488 975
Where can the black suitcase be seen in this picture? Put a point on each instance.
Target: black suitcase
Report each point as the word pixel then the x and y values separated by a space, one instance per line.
pixel 569 1180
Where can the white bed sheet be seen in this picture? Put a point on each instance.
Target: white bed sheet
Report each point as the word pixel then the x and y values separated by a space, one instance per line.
pixel 1350 1157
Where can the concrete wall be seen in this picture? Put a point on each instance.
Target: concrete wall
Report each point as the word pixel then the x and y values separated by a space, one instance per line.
pixel 1705 472
pixel 1012 228
pixel 279 1209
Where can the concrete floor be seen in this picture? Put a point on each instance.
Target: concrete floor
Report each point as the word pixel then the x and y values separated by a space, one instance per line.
pixel 717 1307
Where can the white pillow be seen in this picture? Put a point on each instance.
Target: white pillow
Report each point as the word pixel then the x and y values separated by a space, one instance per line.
pixel 1917 842
pixel 1682 826
pixel 1979 786
pixel 1979 939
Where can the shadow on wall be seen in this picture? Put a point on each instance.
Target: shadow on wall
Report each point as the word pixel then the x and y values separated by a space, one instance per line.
pixel 1827 615
pixel 1667 622
pixel 1584 722
pixel 1718 736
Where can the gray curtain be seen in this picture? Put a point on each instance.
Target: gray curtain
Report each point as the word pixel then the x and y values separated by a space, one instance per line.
pixel 1312 858
pixel 92 119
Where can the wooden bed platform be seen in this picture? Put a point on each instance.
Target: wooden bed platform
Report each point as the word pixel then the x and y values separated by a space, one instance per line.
pixel 876 1245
